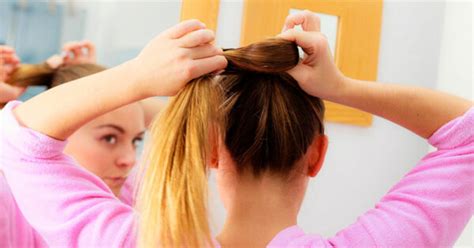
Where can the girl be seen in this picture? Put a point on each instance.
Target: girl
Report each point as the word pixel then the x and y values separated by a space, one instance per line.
pixel 105 146
pixel 429 207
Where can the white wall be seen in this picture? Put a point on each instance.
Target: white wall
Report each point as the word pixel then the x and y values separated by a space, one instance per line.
pixel 455 68
pixel 362 163
pixel 121 28
pixel 455 62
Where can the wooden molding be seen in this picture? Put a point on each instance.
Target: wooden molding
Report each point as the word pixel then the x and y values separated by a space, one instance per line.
pixel 357 44
pixel 206 11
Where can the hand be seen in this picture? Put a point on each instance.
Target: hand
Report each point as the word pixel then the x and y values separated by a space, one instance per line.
pixel 317 73
pixel 74 53
pixel 79 52
pixel 175 57
pixel 9 61
pixel 9 92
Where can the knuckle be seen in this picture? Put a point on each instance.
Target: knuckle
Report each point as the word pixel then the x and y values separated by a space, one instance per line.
pixel 194 21
pixel 181 55
pixel 217 50
pixel 188 70
pixel 307 12
pixel 206 36
pixel 323 37
pixel 200 38
pixel 322 41
pixel 221 62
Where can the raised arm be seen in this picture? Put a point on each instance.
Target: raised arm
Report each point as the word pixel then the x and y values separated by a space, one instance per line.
pixel 67 205
pixel 420 110
pixel 431 205
pixel 184 53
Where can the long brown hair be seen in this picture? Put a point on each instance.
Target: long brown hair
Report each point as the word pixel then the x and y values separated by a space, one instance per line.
pixel 43 75
pixel 266 120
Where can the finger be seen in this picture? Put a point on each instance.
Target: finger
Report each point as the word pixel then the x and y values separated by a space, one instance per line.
pixel 183 28
pixel 77 51
pixel 55 61
pixel 197 38
pixel 90 47
pixel 308 20
pixel 204 51
pixel 292 20
pixel 207 65
pixel 311 22
pixel 9 68
pixel 305 40
pixel 69 46
pixel 66 56
pixel 71 50
pixel 296 71
pixel 16 60
pixel 6 49
pixel 10 58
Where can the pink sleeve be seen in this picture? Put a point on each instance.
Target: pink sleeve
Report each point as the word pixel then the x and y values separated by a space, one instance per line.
pixel 67 205
pixel 431 205
pixel 128 190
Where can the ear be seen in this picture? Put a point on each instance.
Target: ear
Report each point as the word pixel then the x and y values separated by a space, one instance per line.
pixel 214 143
pixel 317 153
pixel 213 157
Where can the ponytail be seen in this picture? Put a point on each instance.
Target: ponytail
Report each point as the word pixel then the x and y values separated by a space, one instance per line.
pixel 43 75
pixel 172 199
pixel 32 75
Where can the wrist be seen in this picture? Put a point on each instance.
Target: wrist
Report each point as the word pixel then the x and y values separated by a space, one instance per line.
pixel 132 72
pixel 340 87
pixel 140 79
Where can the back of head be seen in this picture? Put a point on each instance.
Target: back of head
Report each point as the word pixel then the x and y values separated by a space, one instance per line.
pixel 43 75
pixel 266 120
pixel 269 120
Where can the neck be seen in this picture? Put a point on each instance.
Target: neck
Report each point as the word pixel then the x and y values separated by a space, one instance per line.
pixel 257 211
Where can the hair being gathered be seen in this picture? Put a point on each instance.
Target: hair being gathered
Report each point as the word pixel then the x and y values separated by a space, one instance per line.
pixel 43 75
pixel 267 123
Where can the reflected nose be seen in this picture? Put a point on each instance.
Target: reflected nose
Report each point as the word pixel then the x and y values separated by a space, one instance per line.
pixel 127 158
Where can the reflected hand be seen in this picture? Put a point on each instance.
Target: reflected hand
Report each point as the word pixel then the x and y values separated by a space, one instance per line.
pixel 9 61
pixel 79 52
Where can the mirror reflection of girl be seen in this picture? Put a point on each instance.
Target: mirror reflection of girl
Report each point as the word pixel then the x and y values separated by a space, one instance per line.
pixel 105 146
pixel 429 207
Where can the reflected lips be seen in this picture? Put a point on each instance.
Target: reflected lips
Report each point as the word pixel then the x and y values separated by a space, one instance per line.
pixel 116 180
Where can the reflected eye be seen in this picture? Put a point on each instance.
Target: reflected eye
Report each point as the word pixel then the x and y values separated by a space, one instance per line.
pixel 137 141
pixel 110 139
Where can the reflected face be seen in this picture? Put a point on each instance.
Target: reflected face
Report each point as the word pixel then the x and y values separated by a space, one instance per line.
pixel 106 146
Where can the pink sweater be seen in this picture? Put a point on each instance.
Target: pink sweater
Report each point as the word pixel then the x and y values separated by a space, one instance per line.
pixel 15 231
pixel 69 207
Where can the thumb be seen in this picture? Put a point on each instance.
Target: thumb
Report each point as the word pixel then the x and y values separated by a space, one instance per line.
pixel 300 73
pixel 306 40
